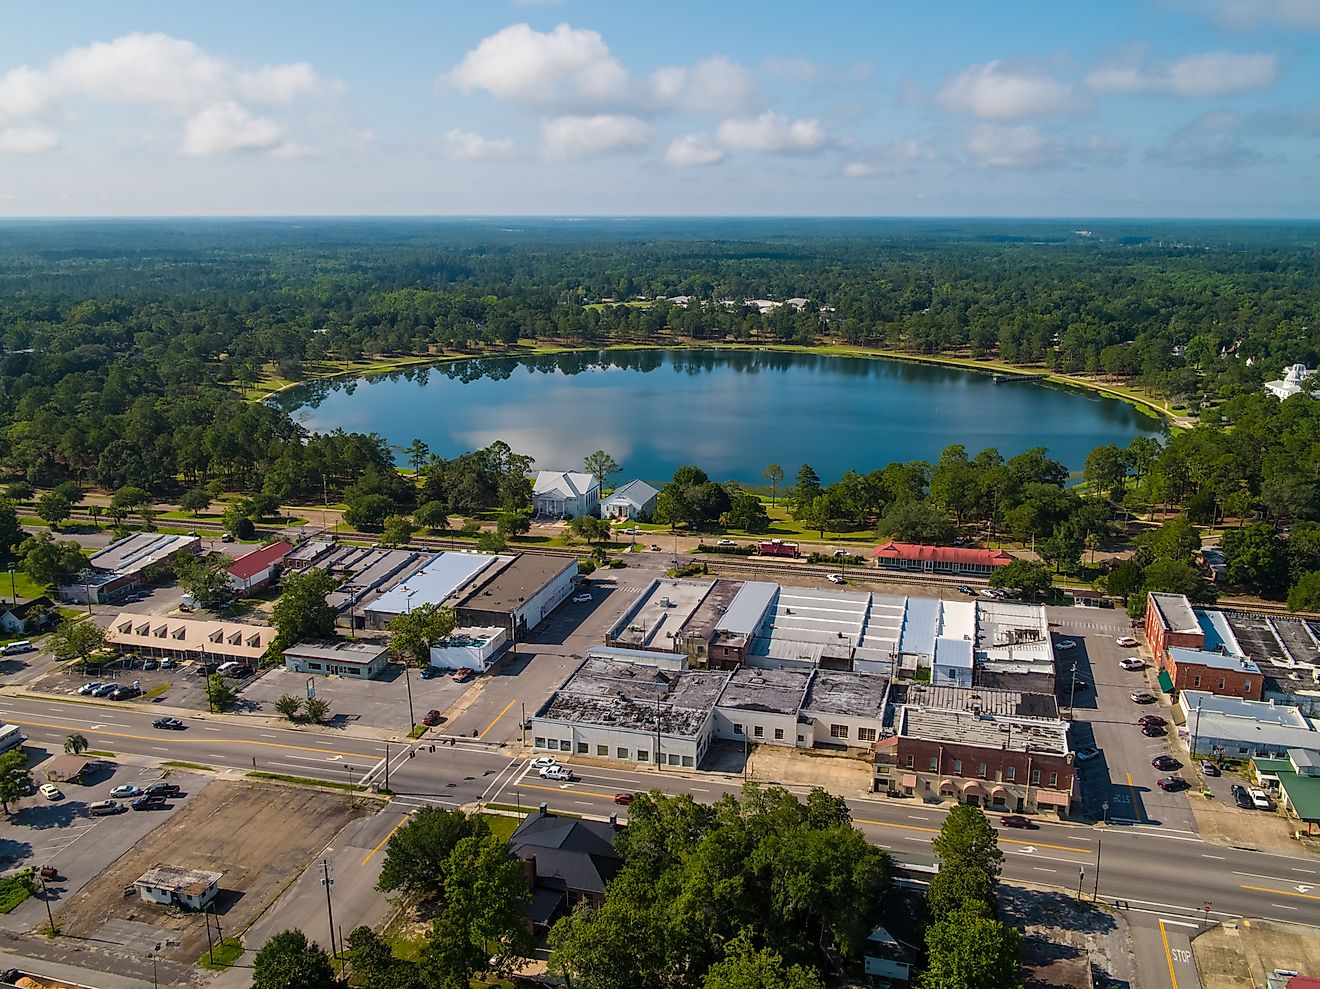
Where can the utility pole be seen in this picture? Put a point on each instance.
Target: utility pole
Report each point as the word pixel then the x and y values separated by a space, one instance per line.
pixel 1081 874
pixel 45 892
pixel 1196 729
pixel 522 721
pixel 1095 893
pixel 387 765
pixel 327 882
pixel 1072 693
pixel 659 761
pixel 407 682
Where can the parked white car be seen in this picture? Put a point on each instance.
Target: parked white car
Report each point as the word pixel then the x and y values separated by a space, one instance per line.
pixel 1065 644
pixel 581 598
pixel 1132 663
pixel 1126 641
pixel 544 762
pixel 1260 800
pixel 836 578
pixel 51 792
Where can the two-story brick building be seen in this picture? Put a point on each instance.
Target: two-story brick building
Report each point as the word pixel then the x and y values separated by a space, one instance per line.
pixel 1197 650
pixel 987 760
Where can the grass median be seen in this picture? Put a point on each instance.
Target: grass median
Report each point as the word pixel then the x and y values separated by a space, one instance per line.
pixel 307 781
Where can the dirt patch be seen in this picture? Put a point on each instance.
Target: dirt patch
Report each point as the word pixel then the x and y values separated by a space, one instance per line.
pixel 259 836
pixel 1231 825
pixel 808 767
pixel 1066 943
pixel 1239 956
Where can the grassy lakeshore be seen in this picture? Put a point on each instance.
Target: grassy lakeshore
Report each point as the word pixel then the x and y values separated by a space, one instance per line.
pixel 272 384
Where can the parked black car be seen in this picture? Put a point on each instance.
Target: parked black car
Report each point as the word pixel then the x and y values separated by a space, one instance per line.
pixel 163 789
pixel 148 801
pixel 1241 797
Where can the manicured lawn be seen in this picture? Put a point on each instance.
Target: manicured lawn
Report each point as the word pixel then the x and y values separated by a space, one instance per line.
pixel 500 826
pixel 13 891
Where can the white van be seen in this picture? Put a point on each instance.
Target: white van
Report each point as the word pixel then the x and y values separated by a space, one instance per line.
pixel 13 648
pixel 224 668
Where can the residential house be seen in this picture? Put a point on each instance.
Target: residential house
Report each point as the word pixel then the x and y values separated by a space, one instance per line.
pixel 635 500
pixel 1297 379
pixel 30 615
pixel 567 494
pixel 568 860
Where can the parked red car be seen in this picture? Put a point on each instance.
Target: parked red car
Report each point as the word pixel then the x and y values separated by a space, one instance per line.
pixel 461 675
pixel 432 718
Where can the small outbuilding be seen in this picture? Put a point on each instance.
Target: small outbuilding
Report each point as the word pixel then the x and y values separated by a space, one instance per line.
pixel 173 885
pixel 65 768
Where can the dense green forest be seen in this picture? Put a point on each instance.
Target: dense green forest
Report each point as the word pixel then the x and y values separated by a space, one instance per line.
pixel 127 346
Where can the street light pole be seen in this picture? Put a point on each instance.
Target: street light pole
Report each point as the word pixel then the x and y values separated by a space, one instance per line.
pixel 1196 730
pixel 13 592
pixel 387 765
pixel 1081 874
pixel 407 682
pixel 45 892
pixel 1072 693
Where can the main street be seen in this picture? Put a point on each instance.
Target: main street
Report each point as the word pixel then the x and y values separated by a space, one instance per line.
pixel 1140 867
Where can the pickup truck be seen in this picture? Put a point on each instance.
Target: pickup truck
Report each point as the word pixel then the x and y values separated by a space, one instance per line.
pixel 556 773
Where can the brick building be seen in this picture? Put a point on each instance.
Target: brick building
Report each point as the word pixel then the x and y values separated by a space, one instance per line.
pixel 1215 672
pixel 1197 650
pixel 987 760
pixel 1170 621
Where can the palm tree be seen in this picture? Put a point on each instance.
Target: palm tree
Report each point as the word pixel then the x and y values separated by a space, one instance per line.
pixel 75 744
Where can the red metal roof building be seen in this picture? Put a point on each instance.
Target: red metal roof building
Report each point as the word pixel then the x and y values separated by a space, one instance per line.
pixel 940 559
pixel 255 570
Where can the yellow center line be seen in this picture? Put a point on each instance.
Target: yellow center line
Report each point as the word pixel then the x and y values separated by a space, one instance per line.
pixel 380 844
pixel 194 741
pixel 498 716
pixel 555 789
pixel 1002 839
pixel 1168 955
pixel 1132 794
pixel 1283 892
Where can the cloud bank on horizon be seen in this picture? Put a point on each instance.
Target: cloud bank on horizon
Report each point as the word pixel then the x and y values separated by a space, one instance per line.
pixel 1144 108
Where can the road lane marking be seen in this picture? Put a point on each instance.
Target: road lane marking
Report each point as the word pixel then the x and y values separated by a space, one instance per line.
pixel 1181 923
pixel 498 716
pixel 186 741
pixel 1217 858
pixel 208 728
pixel 1132 799
pixel 380 844
pixel 563 792
pixel 1039 869
pixel 1011 841
pixel 1283 892
pixel 1257 875
pixel 1283 906
pixel 1168 955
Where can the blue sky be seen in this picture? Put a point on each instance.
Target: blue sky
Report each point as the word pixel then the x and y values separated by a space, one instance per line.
pixel 1162 108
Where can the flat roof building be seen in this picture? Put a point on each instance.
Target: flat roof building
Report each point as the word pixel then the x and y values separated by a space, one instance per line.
pixel 517 593
pixel 359 658
pixel 979 700
pixel 657 615
pixel 173 885
pixel 1240 729
pixel 125 565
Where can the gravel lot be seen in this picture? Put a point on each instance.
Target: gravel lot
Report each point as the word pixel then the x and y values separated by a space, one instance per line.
pixel 257 835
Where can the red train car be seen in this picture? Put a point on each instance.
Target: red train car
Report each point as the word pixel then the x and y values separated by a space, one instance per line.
pixel 777 547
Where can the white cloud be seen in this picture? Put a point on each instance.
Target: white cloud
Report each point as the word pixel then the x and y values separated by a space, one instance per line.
pixel 996 91
pixel 27 140
pixel 693 149
pixel 173 74
pixel 1018 146
pixel 564 67
pixel 1196 76
pixel 225 127
pixel 772 132
pixel 889 158
pixel 1242 15
pixel 714 85
pixel 464 145
pixel 859 169
pixel 578 137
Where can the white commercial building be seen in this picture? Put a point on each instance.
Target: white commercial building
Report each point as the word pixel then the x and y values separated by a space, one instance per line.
pixel 172 885
pixel 474 648
pixel 1240 729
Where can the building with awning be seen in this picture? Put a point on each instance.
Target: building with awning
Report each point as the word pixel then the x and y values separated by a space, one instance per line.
pixel 1296 781
pixel 997 761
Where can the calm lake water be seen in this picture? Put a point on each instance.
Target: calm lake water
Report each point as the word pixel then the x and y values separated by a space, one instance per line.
pixel 731 413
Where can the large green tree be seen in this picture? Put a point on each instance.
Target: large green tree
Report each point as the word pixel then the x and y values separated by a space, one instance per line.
pixel 1257 558
pixel 289 961
pixel 602 465
pixel 414 632
pixel 301 613
pixel 15 778
pixel 50 562
pixel 417 855
pixel 968 949
pixel 205 576
pixel 77 638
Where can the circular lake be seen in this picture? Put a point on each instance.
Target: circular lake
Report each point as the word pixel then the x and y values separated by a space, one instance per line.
pixel 729 412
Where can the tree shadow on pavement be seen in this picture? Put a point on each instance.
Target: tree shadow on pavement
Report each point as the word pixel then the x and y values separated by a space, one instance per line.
pixel 1055 909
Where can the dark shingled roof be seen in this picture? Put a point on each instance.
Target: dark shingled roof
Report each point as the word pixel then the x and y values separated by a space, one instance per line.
pixel 568 852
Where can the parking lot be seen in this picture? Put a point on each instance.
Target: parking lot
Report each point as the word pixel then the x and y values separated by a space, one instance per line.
pixel 181 686
pixel 379 703
pixel 62 834
pixel 1105 716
